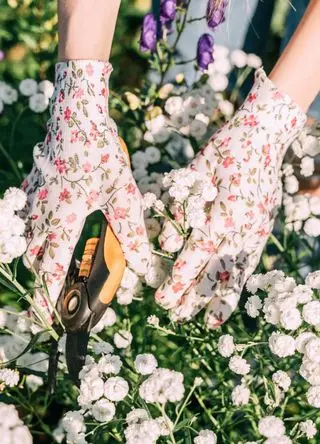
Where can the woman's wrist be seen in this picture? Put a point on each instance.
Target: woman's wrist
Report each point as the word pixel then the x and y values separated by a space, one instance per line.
pixel 85 29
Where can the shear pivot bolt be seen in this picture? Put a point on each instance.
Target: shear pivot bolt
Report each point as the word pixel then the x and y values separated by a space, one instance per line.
pixel 73 303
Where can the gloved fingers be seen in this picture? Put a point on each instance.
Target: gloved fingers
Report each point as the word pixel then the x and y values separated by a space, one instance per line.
pixel 219 268
pixel 170 239
pixel 201 245
pixel 36 244
pixel 53 267
pixel 124 211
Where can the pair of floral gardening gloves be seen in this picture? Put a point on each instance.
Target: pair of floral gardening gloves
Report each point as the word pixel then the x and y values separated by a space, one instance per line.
pixel 81 168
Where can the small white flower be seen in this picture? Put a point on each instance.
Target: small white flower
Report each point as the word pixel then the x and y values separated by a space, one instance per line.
pixel 308 428
pixel 311 312
pixel 149 200
pixel 8 95
pixel 124 297
pixel 282 345
pixel 291 184
pixel 103 410
pixel 46 87
pixel 153 154
pixel 110 364
pixel 9 377
pixel 73 422
pixel 162 386
pixel 153 320
pixel 33 382
pixel 218 82
pixel 313 396
pixel 122 339
pixel 198 129
pixel 102 348
pixel 240 395
pixel 302 339
pixel 38 103
pixel 313 280
pixel 279 440
pixel 307 166
pixel 193 103
pixel 145 364
pixel 282 380
pixel 174 105
pixel 239 58
pixel 254 61
pixel 226 346
pixel 312 350
pixel 303 293
pixel 226 107
pixel 108 320
pixel 271 427
pixel 139 160
pixel 15 198
pixel 290 319
pixel 91 388
pixel 28 87
pixel 116 388
pixel 312 227
pixel 239 365
pixel 253 306
pixel 137 416
pixel 310 371
pixel 314 203
pixel 165 425
pixel 206 437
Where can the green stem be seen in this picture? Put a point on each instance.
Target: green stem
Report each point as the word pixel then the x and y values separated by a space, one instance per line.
pixel 11 162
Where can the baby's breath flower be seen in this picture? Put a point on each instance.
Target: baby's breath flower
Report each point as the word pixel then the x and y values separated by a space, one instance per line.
pixel 145 364
pixel 282 345
pixel 282 380
pixel 308 428
pixel 206 437
pixel 122 339
pixel 271 427
pixel 240 395
pixel 239 365
pixel 103 410
pixel 226 345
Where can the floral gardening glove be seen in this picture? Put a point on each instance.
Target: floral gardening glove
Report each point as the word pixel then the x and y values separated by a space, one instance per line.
pixel 243 159
pixel 78 169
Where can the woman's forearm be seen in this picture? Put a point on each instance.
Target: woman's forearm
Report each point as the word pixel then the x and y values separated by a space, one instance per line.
pixel 86 28
pixel 297 72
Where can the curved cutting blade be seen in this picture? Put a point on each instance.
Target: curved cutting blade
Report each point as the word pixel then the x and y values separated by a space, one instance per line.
pixel 76 352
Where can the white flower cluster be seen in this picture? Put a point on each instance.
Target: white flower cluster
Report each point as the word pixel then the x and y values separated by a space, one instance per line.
pixel 12 428
pixel 141 429
pixel 289 306
pixel 39 94
pixel 302 211
pixel 129 288
pixel 191 190
pixel 162 386
pixel 8 95
pixel 12 345
pixel 12 242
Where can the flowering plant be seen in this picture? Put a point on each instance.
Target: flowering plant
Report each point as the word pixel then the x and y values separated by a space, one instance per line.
pixel 148 378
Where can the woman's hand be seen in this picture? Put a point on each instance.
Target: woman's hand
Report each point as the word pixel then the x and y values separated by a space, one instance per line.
pixel 78 169
pixel 243 159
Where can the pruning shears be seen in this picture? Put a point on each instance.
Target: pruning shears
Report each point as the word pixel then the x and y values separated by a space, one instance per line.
pixel 88 292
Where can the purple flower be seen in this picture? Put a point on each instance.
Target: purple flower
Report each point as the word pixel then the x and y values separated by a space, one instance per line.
pixel 148 40
pixel 168 10
pixel 205 51
pixel 216 12
pixel 2 55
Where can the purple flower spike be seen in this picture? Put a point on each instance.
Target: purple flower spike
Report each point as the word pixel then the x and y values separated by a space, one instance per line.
pixel 205 51
pixel 168 10
pixel 148 40
pixel 216 12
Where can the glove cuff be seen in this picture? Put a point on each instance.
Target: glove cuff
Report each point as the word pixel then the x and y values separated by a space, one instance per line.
pixel 278 113
pixel 84 78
